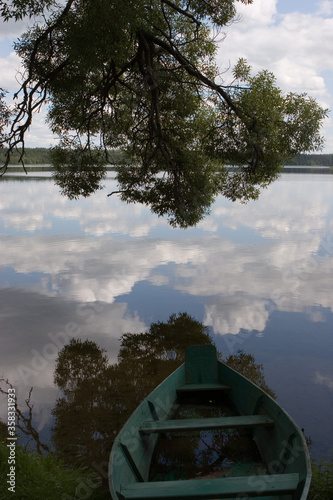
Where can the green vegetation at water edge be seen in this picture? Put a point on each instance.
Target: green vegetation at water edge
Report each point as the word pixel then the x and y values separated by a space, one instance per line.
pixel 39 477
pixel 29 475
pixel 322 479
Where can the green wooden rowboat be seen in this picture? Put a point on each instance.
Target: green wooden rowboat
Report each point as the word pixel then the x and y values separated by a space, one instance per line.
pixel 168 431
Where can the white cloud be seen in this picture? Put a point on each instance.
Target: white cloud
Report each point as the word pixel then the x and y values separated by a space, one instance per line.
pixel 12 29
pixel 299 41
pixel 231 314
pixel 295 77
pixel 325 8
pixel 324 380
pixel 117 217
pixel 39 133
pixel 261 12
pixel 282 222
pixel 96 216
pixel 9 67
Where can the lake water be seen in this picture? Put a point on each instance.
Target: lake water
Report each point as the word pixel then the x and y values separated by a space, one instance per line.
pixel 259 275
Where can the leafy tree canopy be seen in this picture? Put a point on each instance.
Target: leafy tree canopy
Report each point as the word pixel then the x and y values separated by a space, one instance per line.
pixel 142 75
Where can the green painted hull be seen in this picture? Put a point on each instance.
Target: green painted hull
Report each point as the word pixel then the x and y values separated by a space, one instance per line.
pixel 280 442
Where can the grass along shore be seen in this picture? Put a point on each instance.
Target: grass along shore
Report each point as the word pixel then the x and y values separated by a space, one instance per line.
pixel 44 477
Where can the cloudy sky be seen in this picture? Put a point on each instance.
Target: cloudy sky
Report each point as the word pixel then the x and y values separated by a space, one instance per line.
pixel 292 38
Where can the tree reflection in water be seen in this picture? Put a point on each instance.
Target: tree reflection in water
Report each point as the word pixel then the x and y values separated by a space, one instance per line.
pixel 98 397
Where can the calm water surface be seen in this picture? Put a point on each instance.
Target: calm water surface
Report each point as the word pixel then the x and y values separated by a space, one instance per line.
pixel 259 275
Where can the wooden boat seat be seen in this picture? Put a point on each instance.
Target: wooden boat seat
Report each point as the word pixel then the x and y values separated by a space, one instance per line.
pixel 204 423
pixel 202 489
pixel 203 387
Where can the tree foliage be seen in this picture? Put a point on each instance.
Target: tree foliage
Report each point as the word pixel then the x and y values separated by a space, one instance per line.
pixel 245 364
pixel 142 76
pixel 76 361
pixel 98 398
pixel 165 341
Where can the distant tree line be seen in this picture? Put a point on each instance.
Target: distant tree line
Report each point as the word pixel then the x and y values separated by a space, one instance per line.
pixel 324 160
pixel 33 156
pixel 41 156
